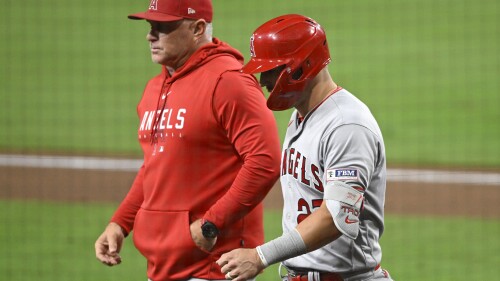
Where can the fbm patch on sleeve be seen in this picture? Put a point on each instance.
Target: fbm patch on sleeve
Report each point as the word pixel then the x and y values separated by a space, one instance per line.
pixel 343 174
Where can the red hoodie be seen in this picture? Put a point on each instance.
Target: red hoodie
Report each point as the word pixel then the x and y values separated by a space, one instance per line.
pixel 211 150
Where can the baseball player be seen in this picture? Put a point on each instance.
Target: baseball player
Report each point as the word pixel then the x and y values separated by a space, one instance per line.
pixel 333 169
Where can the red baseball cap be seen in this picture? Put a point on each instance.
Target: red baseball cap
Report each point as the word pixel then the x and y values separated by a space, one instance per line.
pixel 173 10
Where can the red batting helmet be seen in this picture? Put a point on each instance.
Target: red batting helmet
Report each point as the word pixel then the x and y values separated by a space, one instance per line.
pixel 298 43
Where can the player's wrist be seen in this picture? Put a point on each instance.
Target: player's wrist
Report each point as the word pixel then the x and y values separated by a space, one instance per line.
pixel 287 246
pixel 261 256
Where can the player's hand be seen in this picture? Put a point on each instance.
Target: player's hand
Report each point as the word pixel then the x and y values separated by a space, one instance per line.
pixel 240 264
pixel 198 238
pixel 109 245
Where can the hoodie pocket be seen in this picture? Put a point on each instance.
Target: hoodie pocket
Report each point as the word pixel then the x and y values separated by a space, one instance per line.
pixel 164 238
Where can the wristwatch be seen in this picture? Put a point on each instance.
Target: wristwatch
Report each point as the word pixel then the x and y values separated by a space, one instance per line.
pixel 208 229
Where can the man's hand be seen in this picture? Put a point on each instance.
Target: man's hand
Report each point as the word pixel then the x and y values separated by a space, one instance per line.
pixel 109 244
pixel 240 264
pixel 198 238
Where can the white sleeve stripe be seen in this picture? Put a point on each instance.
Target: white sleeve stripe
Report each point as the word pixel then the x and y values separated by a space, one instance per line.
pixel 262 257
pixel 342 192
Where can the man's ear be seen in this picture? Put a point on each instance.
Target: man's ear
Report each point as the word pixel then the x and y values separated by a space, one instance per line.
pixel 200 27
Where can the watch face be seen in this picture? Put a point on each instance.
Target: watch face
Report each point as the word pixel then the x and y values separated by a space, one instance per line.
pixel 209 230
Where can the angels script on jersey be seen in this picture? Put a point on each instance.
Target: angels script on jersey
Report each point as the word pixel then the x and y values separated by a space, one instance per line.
pixel 296 164
pixel 170 121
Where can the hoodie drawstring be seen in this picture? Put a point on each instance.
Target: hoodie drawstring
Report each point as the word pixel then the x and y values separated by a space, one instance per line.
pixel 163 95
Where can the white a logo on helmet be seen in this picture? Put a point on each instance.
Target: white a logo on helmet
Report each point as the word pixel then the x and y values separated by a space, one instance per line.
pixel 153 5
pixel 252 48
pixel 191 11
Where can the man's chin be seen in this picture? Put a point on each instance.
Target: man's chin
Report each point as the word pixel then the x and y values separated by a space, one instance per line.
pixel 156 61
pixel 156 58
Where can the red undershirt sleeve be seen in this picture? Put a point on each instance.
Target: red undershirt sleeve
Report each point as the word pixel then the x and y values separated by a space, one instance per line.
pixel 240 107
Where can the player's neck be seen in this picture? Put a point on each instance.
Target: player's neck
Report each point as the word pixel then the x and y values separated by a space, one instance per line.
pixel 315 92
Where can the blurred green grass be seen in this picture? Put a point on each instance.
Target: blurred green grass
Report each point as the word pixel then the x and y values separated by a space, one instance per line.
pixel 73 72
pixel 55 241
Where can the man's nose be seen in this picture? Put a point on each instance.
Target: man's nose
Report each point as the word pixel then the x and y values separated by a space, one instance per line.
pixel 151 36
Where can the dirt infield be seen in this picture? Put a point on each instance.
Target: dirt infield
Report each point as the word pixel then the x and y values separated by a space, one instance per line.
pixel 72 185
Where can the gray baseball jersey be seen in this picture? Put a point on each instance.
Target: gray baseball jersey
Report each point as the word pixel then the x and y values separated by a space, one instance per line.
pixel 338 140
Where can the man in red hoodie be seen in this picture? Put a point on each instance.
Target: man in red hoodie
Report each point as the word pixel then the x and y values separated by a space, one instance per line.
pixel 211 152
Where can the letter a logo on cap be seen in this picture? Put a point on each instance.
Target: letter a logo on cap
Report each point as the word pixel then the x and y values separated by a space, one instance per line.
pixel 153 5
